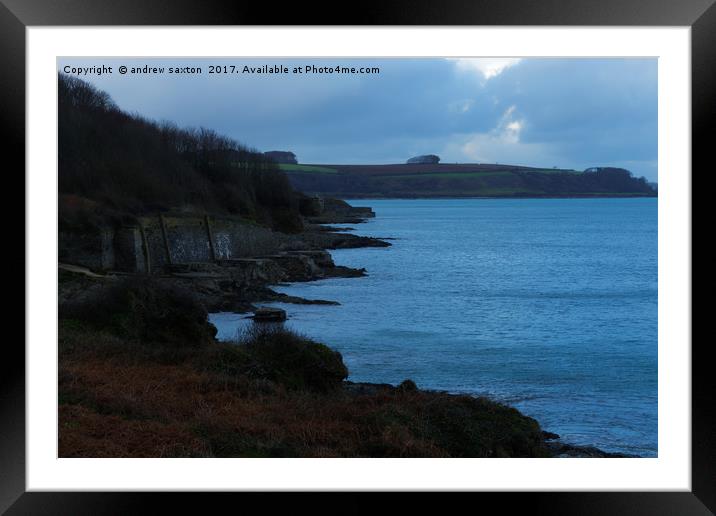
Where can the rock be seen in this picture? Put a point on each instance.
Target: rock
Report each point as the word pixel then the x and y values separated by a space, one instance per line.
pixel 362 212
pixel 284 298
pixel 329 229
pixel 549 436
pixel 563 450
pixel 341 241
pixel 337 211
pixel 321 258
pixel 341 271
pixel 298 266
pixel 267 314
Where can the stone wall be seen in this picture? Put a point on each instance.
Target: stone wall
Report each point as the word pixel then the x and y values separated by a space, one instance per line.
pixel 158 241
pixel 94 250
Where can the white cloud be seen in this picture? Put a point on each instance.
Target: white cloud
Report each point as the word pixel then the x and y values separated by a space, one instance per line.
pixel 491 148
pixel 487 67
pixel 508 128
pixel 461 106
pixel 502 144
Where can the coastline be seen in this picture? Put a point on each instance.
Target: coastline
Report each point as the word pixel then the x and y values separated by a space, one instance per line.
pixel 238 285
pixel 556 447
pixel 530 196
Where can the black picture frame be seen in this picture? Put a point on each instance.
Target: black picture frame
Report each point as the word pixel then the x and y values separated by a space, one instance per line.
pixel 17 15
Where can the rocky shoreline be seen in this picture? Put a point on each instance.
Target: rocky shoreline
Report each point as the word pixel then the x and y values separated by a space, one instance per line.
pixel 237 285
pixel 555 447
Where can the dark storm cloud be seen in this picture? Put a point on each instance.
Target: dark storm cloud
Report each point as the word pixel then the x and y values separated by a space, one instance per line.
pixel 591 106
pixel 544 112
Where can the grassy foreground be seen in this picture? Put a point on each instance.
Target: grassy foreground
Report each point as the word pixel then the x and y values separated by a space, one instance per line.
pixel 141 375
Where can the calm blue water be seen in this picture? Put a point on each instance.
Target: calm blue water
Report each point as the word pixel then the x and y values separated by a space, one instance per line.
pixel 549 305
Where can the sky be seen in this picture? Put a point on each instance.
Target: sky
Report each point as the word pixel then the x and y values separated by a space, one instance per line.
pixel 545 112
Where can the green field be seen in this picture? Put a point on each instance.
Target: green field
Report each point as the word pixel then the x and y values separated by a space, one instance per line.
pixel 449 175
pixel 554 171
pixel 461 180
pixel 290 167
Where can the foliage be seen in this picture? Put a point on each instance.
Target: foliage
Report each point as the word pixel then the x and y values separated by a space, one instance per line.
pixel 291 359
pixel 141 376
pixel 143 310
pixel 408 385
pixel 127 164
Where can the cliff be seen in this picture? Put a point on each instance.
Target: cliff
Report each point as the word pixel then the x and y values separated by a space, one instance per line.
pixel 228 263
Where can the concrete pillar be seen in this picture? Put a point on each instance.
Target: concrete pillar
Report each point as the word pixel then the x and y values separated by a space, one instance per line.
pixel 210 236
pixel 165 238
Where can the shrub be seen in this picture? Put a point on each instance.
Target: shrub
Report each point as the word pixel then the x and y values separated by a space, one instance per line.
pixel 144 310
pixel 291 359
pixel 477 427
pixel 408 385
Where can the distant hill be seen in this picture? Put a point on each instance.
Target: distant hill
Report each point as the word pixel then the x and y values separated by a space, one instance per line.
pixel 462 180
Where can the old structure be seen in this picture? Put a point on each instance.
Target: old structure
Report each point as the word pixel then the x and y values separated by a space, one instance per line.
pixel 158 241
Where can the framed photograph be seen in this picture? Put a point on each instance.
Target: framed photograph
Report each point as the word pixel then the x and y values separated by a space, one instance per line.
pixel 427 251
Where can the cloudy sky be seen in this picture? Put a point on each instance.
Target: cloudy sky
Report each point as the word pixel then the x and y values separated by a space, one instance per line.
pixel 571 113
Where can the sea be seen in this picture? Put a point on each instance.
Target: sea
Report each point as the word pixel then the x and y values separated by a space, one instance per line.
pixel 548 305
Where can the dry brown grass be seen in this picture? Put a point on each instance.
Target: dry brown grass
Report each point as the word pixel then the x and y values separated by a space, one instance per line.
pixel 85 433
pixel 127 399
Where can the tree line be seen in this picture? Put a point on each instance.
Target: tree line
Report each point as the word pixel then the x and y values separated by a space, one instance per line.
pixel 123 163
